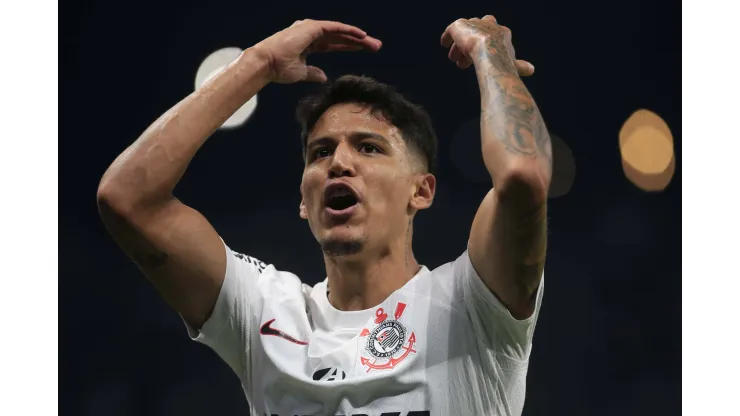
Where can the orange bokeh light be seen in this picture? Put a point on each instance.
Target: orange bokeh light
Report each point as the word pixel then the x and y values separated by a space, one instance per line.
pixel 646 147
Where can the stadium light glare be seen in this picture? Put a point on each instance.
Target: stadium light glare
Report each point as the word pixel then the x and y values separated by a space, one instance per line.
pixel 210 67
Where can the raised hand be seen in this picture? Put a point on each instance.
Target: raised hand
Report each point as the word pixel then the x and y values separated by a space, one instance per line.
pixel 468 39
pixel 286 51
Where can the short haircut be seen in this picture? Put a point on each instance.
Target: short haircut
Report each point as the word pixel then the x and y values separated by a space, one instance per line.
pixel 412 120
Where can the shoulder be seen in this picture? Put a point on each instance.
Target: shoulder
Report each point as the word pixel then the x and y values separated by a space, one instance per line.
pixel 440 284
pixel 452 281
pixel 266 276
pixel 257 265
pixel 447 275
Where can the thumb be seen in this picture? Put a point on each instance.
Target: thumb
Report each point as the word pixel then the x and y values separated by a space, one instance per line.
pixel 314 74
pixel 524 68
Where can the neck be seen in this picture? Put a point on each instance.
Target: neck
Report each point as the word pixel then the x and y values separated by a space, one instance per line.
pixel 366 279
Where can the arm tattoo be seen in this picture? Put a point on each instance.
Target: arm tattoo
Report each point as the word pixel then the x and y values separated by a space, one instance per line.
pixel 508 110
pixel 151 260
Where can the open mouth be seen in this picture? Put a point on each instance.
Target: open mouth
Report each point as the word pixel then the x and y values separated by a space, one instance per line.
pixel 339 197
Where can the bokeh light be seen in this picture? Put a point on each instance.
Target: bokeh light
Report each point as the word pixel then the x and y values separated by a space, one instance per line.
pixel 563 168
pixel 212 65
pixel 466 156
pixel 646 147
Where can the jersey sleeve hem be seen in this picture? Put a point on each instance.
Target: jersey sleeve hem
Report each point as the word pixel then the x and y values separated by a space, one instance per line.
pixel 490 297
pixel 215 322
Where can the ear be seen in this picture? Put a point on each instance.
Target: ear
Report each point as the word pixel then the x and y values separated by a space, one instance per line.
pixel 425 186
pixel 303 212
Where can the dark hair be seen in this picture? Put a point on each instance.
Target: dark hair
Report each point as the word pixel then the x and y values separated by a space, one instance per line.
pixel 411 119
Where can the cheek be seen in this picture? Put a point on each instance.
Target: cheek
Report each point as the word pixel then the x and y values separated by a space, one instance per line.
pixel 310 187
pixel 390 191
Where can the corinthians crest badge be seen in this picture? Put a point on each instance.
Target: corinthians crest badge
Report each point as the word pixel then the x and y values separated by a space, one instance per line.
pixel 389 343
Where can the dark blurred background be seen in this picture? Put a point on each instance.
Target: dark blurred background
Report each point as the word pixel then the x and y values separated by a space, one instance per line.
pixel 608 337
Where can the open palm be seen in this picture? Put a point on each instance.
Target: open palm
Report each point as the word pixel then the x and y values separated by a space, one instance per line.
pixel 287 50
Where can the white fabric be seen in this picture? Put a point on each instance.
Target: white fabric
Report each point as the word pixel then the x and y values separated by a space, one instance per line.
pixel 447 345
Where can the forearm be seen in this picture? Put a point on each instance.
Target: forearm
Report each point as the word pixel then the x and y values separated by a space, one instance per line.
pixel 148 170
pixel 515 142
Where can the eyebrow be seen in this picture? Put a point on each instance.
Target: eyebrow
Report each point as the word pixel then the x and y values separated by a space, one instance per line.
pixel 354 137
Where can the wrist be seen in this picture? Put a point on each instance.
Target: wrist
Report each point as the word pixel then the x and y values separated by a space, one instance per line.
pixel 257 61
pixel 493 60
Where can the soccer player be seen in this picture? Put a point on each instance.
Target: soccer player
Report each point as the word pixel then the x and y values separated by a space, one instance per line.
pixel 382 335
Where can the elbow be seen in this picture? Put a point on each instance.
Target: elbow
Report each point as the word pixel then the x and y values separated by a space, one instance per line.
pixel 110 199
pixel 126 200
pixel 525 184
pixel 118 195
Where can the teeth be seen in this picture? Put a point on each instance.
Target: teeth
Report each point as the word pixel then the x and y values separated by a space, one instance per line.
pixel 342 192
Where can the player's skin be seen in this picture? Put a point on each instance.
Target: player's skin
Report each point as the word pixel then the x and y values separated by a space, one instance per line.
pixel 508 239
pixel 183 256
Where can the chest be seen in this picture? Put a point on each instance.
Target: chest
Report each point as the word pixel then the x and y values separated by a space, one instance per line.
pixel 296 359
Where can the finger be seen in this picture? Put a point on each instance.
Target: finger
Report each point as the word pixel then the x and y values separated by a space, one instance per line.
pixel 524 68
pixel 331 42
pixel 330 27
pixel 446 39
pixel 314 74
pixel 342 48
pixel 489 18
pixel 372 43
pixel 367 42
pixel 458 57
pixel 464 62
pixel 455 54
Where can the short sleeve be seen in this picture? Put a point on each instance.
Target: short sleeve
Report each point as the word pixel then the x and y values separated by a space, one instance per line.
pixel 491 320
pixel 227 330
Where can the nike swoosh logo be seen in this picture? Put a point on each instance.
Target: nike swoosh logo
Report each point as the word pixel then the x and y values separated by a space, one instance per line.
pixel 266 329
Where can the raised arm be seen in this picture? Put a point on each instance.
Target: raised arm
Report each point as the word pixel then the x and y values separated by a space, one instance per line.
pixel 508 238
pixel 173 244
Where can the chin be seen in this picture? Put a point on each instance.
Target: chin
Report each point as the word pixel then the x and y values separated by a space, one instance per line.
pixel 342 242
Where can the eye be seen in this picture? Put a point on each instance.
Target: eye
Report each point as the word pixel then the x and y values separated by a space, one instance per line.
pixel 369 148
pixel 321 152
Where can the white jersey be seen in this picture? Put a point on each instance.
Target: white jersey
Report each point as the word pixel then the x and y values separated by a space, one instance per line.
pixel 442 344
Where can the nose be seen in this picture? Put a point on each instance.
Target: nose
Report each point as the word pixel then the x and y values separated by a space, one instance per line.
pixel 342 162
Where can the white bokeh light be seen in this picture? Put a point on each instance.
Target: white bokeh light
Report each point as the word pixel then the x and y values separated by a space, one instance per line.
pixel 212 65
